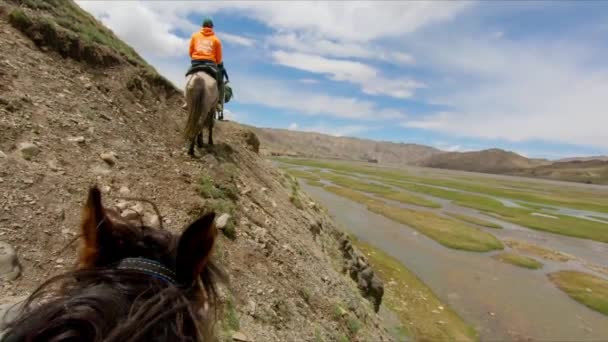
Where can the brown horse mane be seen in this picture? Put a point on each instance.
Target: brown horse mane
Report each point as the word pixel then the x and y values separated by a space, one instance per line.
pixel 100 302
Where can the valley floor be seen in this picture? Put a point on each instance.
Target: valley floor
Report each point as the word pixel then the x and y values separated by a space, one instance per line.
pixel 492 249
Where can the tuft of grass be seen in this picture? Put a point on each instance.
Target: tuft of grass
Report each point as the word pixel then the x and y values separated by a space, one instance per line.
pixel 338 312
pixel 413 302
pixel 353 325
pixel 475 220
pixel 19 19
pixel 232 318
pixel 294 197
pixel 587 289
pixel 343 338
pixel 448 232
pixel 545 253
pixel 209 188
pixel 318 335
pixel 519 260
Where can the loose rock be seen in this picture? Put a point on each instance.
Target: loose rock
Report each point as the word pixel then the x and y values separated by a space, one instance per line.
pixel 79 139
pixel 130 214
pixel 109 158
pixel 9 265
pixel 222 221
pixel 251 306
pixel 139 208
pixel 151 220
pixel 124 191
pixel 2 155
pixel 28 150
pixel 239 336
pixel 122 205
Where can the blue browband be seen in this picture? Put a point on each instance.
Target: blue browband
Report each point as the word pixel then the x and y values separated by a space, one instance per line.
pixel 150 267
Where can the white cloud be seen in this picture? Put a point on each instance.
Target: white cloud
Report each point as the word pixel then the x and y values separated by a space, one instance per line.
pixel 518 90
pixel 236 39
pixel 293 126
pixel 336 131
pixel 282 95
pixel 306 43
pixel 358 21
pixel 147 30
pixel 336 29
pixel 357 73
pixel 232 116
pixel 308 81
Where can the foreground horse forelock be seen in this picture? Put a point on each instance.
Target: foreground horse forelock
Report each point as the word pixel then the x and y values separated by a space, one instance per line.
pixel 132 283
pixel 202 96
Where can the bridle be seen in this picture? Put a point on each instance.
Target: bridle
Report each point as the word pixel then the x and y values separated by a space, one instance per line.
pixel 149 267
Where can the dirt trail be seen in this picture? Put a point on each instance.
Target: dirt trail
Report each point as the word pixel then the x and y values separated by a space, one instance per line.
pixel 284 263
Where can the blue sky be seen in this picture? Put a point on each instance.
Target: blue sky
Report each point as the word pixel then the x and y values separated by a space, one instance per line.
pixel 531 77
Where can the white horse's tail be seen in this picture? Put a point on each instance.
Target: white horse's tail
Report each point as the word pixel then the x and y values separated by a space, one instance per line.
pixel 195 97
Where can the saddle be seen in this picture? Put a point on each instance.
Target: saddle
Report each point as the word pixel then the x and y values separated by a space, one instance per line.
pixel 209 68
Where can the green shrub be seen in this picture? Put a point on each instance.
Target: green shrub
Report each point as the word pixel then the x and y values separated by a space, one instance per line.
pixel 232 318
pixel 19 19
pixel 353 325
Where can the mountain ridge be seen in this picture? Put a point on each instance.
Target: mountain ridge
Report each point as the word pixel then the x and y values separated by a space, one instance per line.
pixel 284 142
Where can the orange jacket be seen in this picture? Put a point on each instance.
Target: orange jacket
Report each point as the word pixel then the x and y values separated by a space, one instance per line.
pixel 205 45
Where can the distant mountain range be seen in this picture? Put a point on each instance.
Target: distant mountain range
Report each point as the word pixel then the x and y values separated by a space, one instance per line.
pixel 316 145
pixel 282 142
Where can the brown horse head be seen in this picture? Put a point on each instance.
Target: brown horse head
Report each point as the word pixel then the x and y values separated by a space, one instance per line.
pixel 132 283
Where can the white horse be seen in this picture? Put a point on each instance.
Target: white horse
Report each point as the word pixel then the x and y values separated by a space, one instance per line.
pixel 202 97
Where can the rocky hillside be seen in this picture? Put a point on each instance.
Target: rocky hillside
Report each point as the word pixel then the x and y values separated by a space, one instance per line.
pixel 573 159
pixel 305 144
pixel 592 171
pixel 79 107
pixel 491 161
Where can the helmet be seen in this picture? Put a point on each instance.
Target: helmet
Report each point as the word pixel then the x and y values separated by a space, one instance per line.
pixel 208 22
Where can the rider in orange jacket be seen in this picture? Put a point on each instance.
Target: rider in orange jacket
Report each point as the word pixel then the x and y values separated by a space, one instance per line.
pixel 205 45
pixel 206 48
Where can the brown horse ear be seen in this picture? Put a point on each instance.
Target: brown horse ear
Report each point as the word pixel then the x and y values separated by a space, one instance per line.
pixel 94 221
pixel 194 248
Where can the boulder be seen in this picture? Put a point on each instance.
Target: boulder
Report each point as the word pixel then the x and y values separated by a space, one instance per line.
pixel 376 291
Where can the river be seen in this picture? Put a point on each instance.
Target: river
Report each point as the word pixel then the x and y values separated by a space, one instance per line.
pixel 503 302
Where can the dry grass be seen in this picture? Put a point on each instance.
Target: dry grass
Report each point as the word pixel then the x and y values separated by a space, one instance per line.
pixel 519 260
pixel 586 289
pixel 545 253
